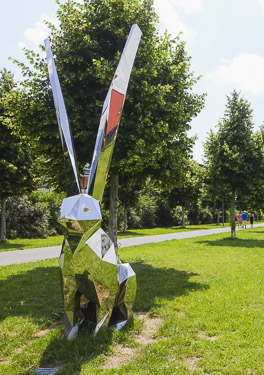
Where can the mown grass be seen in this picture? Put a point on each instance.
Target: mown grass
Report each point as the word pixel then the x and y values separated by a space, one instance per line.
pixel 25 243
pixel 21 244
pixel 208 290
pixel 155 231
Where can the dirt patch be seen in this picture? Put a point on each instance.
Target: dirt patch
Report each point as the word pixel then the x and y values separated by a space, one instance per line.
pixel 44 331
pixel 20 349
pixel 191 363
pixel 11 333
pixel 202 335
pixel 123 354
pixel 40 333
pixel 4 361
pixel 151 325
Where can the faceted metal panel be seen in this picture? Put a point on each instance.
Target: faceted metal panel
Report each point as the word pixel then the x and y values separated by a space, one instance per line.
pixel 62 118
pixel 97 288
pixel 111 114
pixel 80 207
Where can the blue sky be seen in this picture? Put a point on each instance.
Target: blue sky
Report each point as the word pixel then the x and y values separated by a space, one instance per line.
pixel 225 40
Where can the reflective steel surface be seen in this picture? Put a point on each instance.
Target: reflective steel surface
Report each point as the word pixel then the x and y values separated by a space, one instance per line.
pixel 62 118
pixel 110 117
pixel 98 290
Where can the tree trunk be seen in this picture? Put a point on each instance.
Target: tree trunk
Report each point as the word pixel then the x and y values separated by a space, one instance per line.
pixel 183 217
pixel 233 219
pixel 125 219
pixel 113 211
pixel 3 220
pixel 257 215
pixel 223 213
pixel 218 216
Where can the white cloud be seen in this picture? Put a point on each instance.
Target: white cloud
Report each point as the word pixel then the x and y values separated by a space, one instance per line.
pixel 170 20
pixel 36 35
pixel 189 6
pixel 245 72
pixel 21 45
pixel 262 5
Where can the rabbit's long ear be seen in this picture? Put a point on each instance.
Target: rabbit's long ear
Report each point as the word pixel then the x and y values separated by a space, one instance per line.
pixel 110 116
pixel 73 186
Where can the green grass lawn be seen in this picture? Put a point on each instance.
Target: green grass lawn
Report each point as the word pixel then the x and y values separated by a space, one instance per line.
pixel 208 291
pixel 25 243
pixel 21 244
pixel 155 231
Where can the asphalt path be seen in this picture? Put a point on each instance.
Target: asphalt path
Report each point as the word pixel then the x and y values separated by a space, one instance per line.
pixel 35 255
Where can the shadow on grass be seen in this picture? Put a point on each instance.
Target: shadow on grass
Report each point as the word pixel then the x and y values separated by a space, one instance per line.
pixel 8 247
pixel 36 294
pixel 154 286
pixel 148 232
pixel 237 242
pixel 132 233
pixel 165 230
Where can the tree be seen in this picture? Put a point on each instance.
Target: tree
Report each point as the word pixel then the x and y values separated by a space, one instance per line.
pixel 231 154
pixel 255 198
pixel 187 191
pixel 159 107
pixel 15 162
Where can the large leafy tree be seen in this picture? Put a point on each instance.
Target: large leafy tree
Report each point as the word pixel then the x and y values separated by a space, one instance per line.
pixel 231 153
pixel 15 161
pixel 152 139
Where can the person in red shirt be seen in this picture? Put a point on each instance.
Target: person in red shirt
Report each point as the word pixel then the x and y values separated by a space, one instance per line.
pixel 239 219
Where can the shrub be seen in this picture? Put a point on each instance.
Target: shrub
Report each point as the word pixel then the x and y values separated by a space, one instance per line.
pixel 52 201
pixel 26 219
pixel 34 216
pixel 177 216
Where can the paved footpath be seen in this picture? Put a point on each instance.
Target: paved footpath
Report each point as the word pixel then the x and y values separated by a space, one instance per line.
pixel 34 255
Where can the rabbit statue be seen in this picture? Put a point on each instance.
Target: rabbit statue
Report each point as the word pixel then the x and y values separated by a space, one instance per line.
pixel 98 289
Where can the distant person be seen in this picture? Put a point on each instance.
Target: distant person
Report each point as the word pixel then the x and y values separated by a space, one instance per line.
pixel 239 219
pixel 244 219
pixel 251 218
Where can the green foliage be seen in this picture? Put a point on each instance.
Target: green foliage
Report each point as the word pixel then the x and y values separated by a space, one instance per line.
pixel 233 157
pixel 26 219
pixel 159 105
pixel 52 200
pixel 200 215
pixel 15 161
pixel 187 191
pixel 33 216
pixel 177 216
pixel 255 199
pixel 147 205
pixel 155 206
pixel 229 151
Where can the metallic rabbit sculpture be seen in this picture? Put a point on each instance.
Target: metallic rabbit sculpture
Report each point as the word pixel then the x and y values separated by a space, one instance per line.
pixel 97 288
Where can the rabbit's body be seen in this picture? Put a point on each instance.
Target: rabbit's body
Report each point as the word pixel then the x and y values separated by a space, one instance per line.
pixel 97 288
